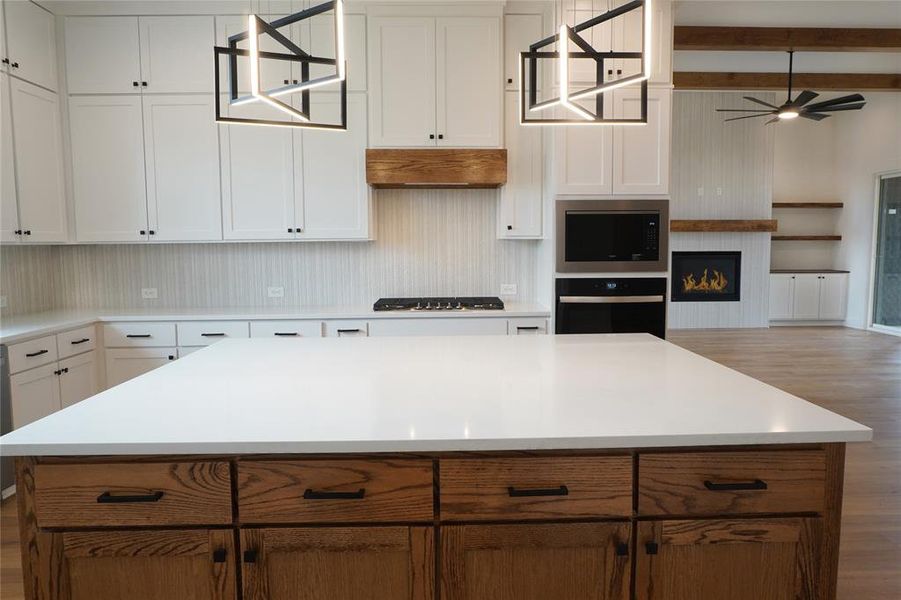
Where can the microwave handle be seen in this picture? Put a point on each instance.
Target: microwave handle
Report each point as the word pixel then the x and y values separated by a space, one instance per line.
pixel 609 299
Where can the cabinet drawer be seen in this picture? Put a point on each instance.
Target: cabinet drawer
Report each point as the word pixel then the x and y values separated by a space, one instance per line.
pixel 536 488
pixel 723 483
pixel 119 494
pixel 118 335
pixel 204 333
pixel 527 326
pixel 337 491
pixel 76 341
pixel 33 353
pixel 286 329
pixel 346 328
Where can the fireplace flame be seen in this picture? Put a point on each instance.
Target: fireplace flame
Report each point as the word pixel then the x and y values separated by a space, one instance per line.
pixel 715 284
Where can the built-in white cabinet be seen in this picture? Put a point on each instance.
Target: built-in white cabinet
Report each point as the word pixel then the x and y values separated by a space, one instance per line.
pixel 346 328
pixel 808 296
pixel 450 326
pixel 77 378
pixel 30 43
pixel 435 81
pixel 527 326
pixel 520 30
pixel 285 329
pixel 204 333
pixel 9 205
pixel 520 206
pixel 123 364
pixel 153 54
pixel 34 394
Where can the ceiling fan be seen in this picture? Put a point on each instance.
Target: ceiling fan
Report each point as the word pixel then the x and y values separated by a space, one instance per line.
pixel 798 107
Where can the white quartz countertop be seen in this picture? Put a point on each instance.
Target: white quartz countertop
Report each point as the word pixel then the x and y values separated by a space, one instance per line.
pixel 432 394
pixel 22 327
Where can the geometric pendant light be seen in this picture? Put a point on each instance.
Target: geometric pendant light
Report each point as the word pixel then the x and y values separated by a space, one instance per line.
pixel 566 104
pixel 279 99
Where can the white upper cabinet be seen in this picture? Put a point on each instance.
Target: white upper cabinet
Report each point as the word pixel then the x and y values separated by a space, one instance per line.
pixel 469 81
pixel 336 197
pixel 31 43
pixel 181 142
pixel 259 197
pixel 402 81
pixel 273 73
pixel 9 211
pixel 519 209
pixel 519 32
pixel 318 35
pixel 584 70
pixel 583 159
pixel 176 54
pixel 40 181
pixel 108 168
pixel 103 55
pixel 641 153
pixel 3 55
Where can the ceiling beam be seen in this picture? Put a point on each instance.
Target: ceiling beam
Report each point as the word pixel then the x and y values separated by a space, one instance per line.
pixel 708 80
pixel 808 39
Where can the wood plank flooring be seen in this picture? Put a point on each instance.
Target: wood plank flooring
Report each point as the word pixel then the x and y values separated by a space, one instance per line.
pixel 854 373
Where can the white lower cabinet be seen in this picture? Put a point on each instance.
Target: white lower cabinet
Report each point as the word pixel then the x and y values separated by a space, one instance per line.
pixel 204 333
pixel 527 326
pixel 42 391
pixel 77 378
pixel 285 329
pixel 808 296
pixel 448 326
pixel 123 364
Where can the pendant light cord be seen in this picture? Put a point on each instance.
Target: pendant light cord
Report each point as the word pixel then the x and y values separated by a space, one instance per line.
pixel 791 56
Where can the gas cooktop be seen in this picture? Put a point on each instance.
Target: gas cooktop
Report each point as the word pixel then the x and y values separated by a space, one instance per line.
pixel 462 303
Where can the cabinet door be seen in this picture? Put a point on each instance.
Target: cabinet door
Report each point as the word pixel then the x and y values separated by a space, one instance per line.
pixel 123 364
pixel 468 59
pixel 583 71
pixel 78 378
pixel 336 196
pixel 318 34
pixel 34 394
pixel 141 565
pixel 175 54
pixel 31 43
pixel 325 563
pixel 584 165
pixel 102 55
pixel 833 296
pixel 39 163
pixel 181 141
pixel 576 561
pixel 748 559
pixel 519 32
pixel 9 209
pixel 641 154
pixel 806 298
pixel 781 296
pixel 273 73
pixel 3 52
pixel 108 168
pixel 520 208
pixel 402 81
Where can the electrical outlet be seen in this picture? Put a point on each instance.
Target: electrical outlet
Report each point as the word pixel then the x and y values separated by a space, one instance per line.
pixel 275 292
pixel 719 191
pixel 508 289
pixel 149 293
pixel 3 302
pixel 700 192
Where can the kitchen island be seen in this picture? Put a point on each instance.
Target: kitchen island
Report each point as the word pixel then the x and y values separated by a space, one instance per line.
pixel 595 467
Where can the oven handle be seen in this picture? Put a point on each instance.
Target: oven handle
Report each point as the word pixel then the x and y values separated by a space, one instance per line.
pixel 609 299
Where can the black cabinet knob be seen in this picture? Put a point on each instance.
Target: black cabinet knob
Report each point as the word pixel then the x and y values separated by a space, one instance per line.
pixel 509 80
pixel 27 232
pixel 250 556
pixel 143 84
pixel 290 230
pixel 622 549
pixel 609 71
pixel 135 83
pixel 431 136
pixel 142 232
pixel 5 61
pixel 18 232
pixel 287 82
pixel 219 555
pixel 509 227
pixel 152 232
pixel 295 82
pixel 651 547
pixel 15 65
pixel 440 136
pixel 171 357
pixel 619 71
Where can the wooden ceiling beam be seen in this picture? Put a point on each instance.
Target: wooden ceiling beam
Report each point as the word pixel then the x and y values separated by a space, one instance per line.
pixel 808 39
pixel 704 80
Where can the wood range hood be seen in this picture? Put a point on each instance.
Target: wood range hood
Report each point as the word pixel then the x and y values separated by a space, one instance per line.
pixel 436 168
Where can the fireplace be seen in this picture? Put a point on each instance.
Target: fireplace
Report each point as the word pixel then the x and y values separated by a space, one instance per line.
pixel 706 277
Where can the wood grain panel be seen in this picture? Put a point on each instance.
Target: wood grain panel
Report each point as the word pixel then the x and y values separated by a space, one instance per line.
pixel 193 493
pixel 436 167
pixel 810 39
pixel 674 484
pixel 363 563
pixel 712 80
pixel 738 225
pixel 575 561
pixel 394 490
pixel 478 489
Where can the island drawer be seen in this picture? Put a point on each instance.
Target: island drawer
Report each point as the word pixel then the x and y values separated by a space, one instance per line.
pixel 725 483
pixel 335 491
pixel 536 487
pixel 132 494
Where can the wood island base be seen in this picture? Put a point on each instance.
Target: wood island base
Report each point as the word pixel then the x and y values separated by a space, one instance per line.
pixel 711 523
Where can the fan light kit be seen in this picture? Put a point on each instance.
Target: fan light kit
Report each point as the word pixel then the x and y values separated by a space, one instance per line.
pixel 299 117
pixel 532 109
pixel 799 107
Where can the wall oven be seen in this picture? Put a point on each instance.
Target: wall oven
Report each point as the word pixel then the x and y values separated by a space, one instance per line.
pixel 597 236
pixel 620 305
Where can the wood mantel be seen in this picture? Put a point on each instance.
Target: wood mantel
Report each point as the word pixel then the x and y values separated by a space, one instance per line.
pixel 436 168
pixel 721 225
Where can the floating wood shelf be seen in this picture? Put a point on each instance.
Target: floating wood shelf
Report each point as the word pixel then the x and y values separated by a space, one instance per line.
pixel 807 238
pixel 436 168
pixel 808 204
pixel 718 225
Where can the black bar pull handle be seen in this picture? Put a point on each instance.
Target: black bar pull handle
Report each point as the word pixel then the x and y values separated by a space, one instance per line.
pixel 286 333
pixel 519 493
pixel 38 353
pixel 757 484
pixel 212 335
pixel 529 328
pixel 316 495
pixel 348 331
pixel 137 335
pixel 81 341
pixel 108 498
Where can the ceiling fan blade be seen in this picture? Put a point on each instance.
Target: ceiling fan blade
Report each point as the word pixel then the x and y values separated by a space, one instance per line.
pixel 803 98
pixel 747 117
pixel 760 102
pixel 763 110
pixel 834 101
pixel 813 116
pixel 774 120
pixel 857 106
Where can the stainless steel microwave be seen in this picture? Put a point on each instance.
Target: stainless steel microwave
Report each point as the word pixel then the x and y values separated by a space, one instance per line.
pixel 597 236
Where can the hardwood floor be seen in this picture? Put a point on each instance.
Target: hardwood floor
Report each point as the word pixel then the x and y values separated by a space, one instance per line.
pixel 854 373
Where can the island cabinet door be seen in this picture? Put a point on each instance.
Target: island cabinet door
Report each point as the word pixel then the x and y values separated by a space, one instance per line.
pixel 740 559
pixel 573 561
pixel 328 563
pixel 139 565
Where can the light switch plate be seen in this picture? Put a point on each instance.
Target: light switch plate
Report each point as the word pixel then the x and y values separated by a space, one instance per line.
pixel 2 301
pixel 508 289
pixel 276 292
pixel 149 293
